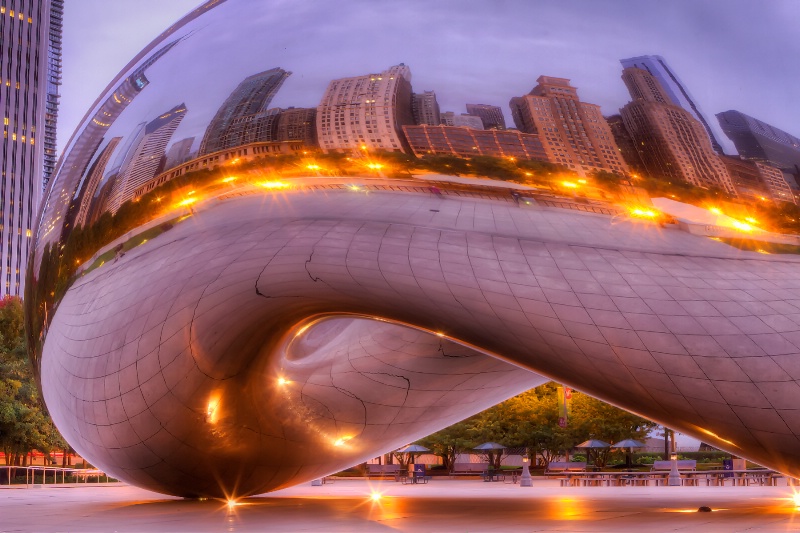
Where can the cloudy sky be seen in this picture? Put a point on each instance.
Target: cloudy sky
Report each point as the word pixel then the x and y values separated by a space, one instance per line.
pixel 731 54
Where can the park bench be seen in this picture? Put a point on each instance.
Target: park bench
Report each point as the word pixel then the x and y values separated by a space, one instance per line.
pixel 469 469
pixel 555 469
pixel 383 470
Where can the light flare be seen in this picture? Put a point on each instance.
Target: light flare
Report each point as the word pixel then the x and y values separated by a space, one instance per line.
pixel 274 185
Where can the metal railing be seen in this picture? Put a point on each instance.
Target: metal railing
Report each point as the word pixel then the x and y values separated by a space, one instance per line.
pixel 34 473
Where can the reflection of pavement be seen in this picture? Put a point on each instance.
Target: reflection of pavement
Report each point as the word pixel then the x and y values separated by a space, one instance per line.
pixel 172 355
pixel 441 505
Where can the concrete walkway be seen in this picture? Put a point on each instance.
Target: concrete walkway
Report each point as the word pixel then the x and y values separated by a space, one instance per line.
pixel 442 505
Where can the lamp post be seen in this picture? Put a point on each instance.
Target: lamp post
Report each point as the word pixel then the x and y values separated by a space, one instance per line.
pixel 525 480
pixel 674 479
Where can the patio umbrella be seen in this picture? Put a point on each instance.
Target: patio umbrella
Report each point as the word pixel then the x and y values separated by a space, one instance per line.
pixel 628 444
pixel 490 446
pixel 411 449
pixel 593 444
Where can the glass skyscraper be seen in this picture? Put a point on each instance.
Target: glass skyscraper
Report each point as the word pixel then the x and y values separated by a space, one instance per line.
pixel 673 87
pixel 30 73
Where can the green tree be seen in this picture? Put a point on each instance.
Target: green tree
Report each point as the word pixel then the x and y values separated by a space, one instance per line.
pixel 24 425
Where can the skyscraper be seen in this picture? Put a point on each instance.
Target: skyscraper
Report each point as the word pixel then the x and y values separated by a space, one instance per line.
pixel 674 90
pixel 573 133
pixel 179 153
pixel 94 178
pixel 491 115
pixel 250 97
pixel 462 121
pixel 30 73
pixel 366 111
pixel 671 142
pixel 298 124
pixel 426 109
pixel 759 141
pixel 147 157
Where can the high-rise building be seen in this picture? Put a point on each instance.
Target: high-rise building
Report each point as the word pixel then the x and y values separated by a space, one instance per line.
pixel 30 73
pixel 759 141
pixel 147 157
pixel 625 144
pixel 366 111
pixel 426 109
pixel 491 115
pixel 758 181
pixel 179 153
pixel 467 142
pixel 94 178
pixel 573 133
pixel 251 97
pixel 463 120
pixel 673 89
pixel 298 124
pixel 255 127
pixel 671 142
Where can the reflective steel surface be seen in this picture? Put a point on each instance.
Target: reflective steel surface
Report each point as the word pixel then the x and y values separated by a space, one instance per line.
pixel 205 323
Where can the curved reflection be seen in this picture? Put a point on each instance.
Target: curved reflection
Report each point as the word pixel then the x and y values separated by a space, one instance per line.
pixel 224 301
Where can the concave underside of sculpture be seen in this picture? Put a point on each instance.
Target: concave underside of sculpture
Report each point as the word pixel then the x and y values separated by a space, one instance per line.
pixel 262 331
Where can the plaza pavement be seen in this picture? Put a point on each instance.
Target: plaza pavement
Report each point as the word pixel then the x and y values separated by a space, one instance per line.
pixel 440 506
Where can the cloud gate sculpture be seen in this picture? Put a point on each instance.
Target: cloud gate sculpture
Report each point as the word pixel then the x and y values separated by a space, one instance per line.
pixel 203 325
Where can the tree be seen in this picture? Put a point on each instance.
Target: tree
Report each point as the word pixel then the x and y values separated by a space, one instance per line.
pixel 24 425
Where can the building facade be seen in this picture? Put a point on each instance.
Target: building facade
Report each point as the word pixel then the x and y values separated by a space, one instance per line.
pixel 248 101
pixel 366 112
pixel 298 124
pixel 758 181
pixel 674 90
pixel 491 115
pixel 94 178
pixel 671 143
pixel 573 133
pixel 426 109
pixel 30 73
pixel 467 142
pixel 147 157
pixel 759 141
pixel 179 153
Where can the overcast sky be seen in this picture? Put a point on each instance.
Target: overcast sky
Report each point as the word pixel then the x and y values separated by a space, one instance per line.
pixel 731 54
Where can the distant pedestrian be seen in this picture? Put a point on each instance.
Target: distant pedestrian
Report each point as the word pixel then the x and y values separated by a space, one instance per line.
pixel 516 196
pixel 435 191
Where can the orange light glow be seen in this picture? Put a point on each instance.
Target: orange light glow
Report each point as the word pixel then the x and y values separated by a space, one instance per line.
pixel 230 179
pixel 715 210
pixel 642 212
pixel 751 220
pixel 341 440
pixel 187 201
pixel 211 411
pixel 283 381
pixel 313 167
pixel 742 226
pixel 376 496
pixel 274 184
pixel 374 166
pixel 569 184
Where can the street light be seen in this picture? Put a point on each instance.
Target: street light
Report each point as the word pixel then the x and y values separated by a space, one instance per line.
pixel 525 480
pixel 674 479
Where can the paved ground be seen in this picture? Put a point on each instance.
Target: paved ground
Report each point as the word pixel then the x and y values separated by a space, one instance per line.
pixel 442 505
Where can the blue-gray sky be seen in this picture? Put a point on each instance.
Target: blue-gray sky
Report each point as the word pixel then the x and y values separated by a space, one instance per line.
pixel 731 54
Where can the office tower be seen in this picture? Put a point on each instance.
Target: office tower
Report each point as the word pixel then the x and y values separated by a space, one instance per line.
pixel 673 89
pixel 491 115
pixel 30 73
pixel 463 120
pixel 366 112
pixel 179 153
pixel 758 181
pixel 759 141
pixel 94 178
pixel 246 129
pixel 467 142
pixel 671 142
pixel 625 144
pixel 147 157
pixel 298 124
pixel 573 133
pixel 426 109
pixel 250 97
pixel 82 147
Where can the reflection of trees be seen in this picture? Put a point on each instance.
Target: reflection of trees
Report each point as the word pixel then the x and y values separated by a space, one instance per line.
pixel 530 420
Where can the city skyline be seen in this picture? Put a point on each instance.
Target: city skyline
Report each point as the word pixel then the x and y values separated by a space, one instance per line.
pixel 559 44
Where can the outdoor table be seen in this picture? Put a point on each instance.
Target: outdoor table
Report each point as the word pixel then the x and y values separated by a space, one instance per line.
pixel 492 475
